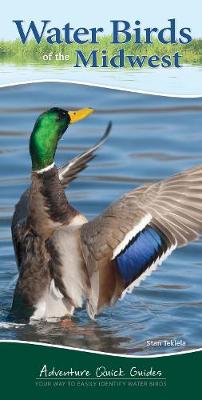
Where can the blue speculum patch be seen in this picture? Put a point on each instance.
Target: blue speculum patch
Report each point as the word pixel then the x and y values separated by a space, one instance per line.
pixel 140 253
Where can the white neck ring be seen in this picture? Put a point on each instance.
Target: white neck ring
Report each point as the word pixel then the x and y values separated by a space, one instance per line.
pixel 41 171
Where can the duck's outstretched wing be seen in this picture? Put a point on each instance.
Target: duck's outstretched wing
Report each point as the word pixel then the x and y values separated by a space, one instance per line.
pixel 69 171
pixel 135 234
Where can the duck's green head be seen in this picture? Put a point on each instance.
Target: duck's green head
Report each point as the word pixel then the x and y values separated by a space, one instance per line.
pixel 48 129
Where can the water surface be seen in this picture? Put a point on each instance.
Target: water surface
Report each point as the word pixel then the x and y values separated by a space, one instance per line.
pixel 152 138
pixel 184 81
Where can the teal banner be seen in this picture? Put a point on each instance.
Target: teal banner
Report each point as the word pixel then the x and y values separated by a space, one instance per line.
pixel 45 372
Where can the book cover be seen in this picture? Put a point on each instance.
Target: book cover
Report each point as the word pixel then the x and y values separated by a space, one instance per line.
pixel 100 199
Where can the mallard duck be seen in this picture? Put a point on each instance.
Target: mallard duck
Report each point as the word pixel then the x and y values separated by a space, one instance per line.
pixel 63 259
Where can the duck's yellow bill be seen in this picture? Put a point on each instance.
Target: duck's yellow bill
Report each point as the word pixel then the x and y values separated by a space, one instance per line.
pixel 80 114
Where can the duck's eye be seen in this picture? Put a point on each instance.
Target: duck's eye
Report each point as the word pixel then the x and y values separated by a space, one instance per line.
pixel 61 115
